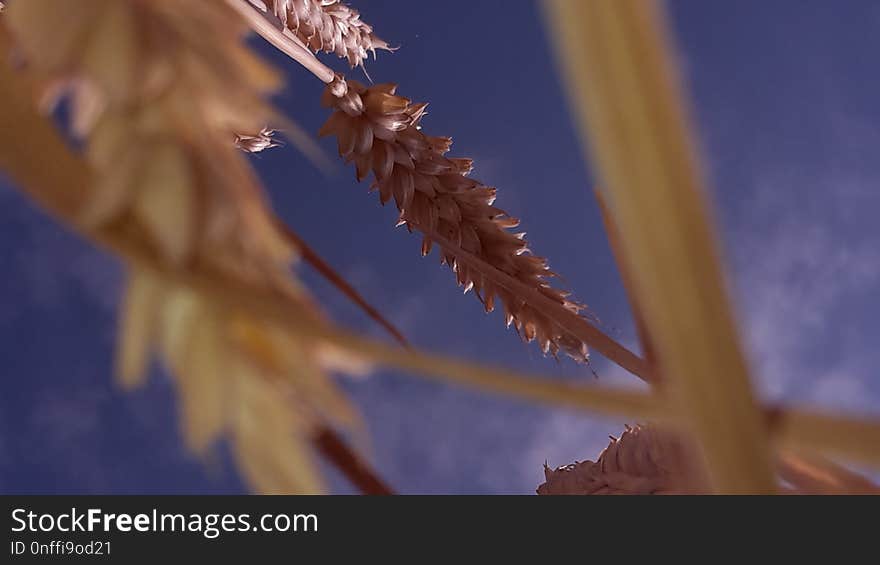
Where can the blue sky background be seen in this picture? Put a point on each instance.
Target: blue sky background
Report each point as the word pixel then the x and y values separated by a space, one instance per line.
pixel 785 99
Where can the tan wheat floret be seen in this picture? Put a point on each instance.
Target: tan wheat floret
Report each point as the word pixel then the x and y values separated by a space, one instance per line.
pixel 159 90
pixel 254 143
pixel 379 131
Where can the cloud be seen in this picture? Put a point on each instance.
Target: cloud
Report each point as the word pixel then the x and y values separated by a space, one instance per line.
pixel 843 389
pixel 806 262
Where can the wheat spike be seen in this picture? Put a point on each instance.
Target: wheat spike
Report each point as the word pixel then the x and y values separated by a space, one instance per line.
pixel 379 131
pixel 326 25
pixel 643 460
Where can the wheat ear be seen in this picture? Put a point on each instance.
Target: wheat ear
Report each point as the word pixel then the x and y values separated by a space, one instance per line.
pixel 380 132
pixel 325 25
pixel 643 460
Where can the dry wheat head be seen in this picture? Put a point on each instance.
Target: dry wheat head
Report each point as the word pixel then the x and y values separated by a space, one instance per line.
pixel 643 460
pixel 379 131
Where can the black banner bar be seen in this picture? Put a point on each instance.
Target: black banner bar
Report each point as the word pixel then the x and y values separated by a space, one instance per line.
pixel 133 529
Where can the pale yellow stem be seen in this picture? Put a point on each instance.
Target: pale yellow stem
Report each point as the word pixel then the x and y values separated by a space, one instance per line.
pixel 625 92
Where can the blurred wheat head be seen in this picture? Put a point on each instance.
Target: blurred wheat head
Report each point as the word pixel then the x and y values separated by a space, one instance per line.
pixel 158 92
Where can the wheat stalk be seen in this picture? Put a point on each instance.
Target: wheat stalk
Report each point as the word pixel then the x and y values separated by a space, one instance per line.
pixel 625 91
pixel 813 474
pixel 311 257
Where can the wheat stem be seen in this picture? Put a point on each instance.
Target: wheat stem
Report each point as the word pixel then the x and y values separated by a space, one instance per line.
pixel 809 473
pixel 355 469
pixel 312 257
pixel 626 276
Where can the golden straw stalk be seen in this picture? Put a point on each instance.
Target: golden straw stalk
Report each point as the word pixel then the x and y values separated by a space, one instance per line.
pixel 626 94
